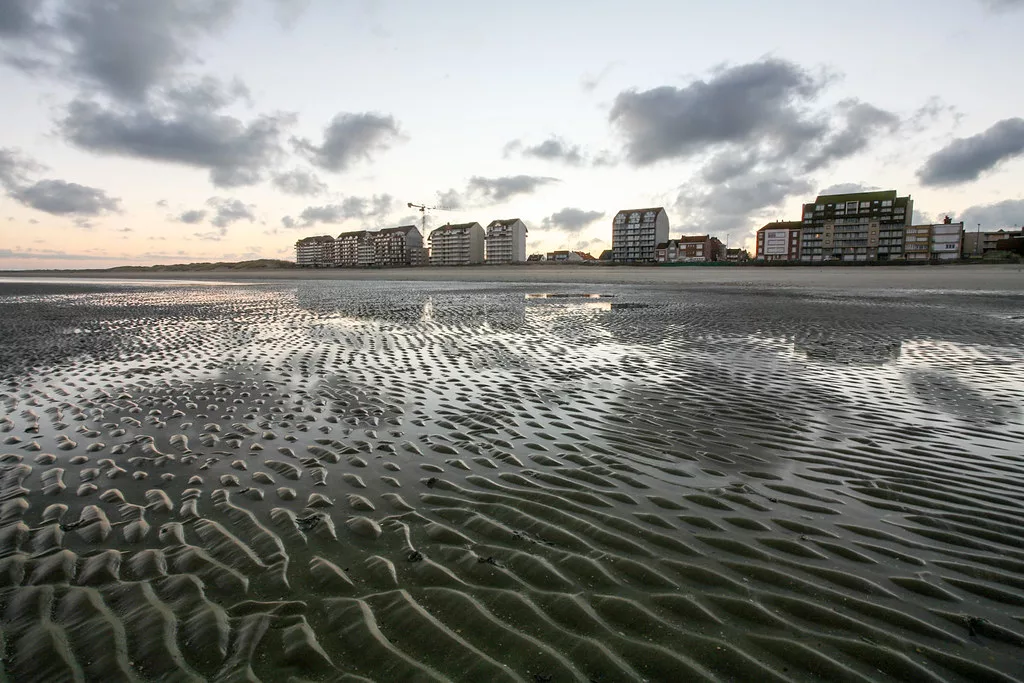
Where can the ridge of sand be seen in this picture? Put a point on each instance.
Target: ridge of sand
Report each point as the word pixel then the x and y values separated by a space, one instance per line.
pixel 377 481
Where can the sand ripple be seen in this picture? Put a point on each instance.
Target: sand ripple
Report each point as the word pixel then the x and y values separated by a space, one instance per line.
pixel 369 481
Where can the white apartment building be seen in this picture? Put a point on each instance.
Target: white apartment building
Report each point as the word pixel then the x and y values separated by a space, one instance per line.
pixel 636 234
pixel 505 241
pixel 316 252
pixel 457 245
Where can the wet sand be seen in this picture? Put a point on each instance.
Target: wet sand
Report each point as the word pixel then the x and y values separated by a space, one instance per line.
pixel 965 277
pixel 397 481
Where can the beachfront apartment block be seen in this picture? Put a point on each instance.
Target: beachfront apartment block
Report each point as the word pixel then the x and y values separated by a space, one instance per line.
pixel 457 245
pixel 401 246
pixel 354 249
pixel 690 248
pixel 938 242
pixel 636 234
pixel 856 226
pixel 779 241
pixel 315 252
pixel 505 241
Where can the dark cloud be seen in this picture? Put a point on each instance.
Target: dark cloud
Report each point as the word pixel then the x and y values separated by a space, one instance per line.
pixel 350 138
pixel 552 149
pixel 62 198
pixel 1005 214
pixel 127 47
pixel 570 219
pixel 860 121
pixel 234 152
pixel 299 183
pixel 17 17
pixel 753 103
pixel 191 217
pixel 228 211
pixel 501 189
pixel 965 159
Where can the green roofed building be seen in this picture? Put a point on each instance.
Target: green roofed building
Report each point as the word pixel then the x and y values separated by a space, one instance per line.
pixel 857 226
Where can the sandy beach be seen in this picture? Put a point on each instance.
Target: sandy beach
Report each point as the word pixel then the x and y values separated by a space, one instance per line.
pixel 966 277
pixel 685 474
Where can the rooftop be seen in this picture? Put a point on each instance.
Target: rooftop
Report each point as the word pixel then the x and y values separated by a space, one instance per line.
pixel 874 195
pixel 502 223
pixel 782 225
pixel 655 209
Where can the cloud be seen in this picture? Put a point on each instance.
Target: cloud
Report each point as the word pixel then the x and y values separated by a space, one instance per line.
pixel 62 198
pixel 17 17
pixel 860 122
pixel 34 254
pixel 847 188
pixel 350 138
pixel 752 103
pixel 756 132
pixel 191 217
pixel 16 168
pixel 570 219
pixel 351 208
pixel 589 82
pixel 500 189
pixel 235 153
pixel 552 149
pixel 299 183
pixel 1005 214
pixel 228 211
pixel 128 47
pixel 731 206
pixel 965 159
pixel 1003 5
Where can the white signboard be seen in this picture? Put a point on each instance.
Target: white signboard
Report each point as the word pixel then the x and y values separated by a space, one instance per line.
pixel 776 242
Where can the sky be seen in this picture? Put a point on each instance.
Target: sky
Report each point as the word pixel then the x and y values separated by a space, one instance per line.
pixel 138 132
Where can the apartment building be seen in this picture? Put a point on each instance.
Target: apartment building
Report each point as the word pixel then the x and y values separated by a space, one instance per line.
pixel 737 255
pixel 354 249
pixel 691 248
pixel 505 241
pixel 401 246
pixel 979 243
pixel 636 234
pixel 779 241
pixel 457 245
pixel 316 252
pixel 858 226
pixel 939 242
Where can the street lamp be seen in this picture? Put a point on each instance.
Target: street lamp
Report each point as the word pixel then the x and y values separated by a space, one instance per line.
pixel 977 240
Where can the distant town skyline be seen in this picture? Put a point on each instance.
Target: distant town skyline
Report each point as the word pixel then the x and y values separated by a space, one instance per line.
pixel 208 130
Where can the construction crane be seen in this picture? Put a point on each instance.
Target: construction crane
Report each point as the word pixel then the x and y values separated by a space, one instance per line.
pixel 423 212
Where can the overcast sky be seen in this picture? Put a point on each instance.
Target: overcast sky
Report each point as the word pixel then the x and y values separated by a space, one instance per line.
pixel 139 131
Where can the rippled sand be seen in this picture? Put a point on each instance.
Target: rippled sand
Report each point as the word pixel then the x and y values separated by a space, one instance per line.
pixel 416 481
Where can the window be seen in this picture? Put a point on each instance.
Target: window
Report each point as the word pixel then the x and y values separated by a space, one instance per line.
pixel 851 206
pixel 887 202
pixel 865 205
pixel 620 219
pixel 820 207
